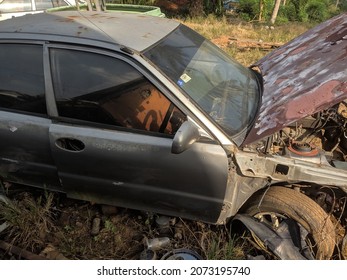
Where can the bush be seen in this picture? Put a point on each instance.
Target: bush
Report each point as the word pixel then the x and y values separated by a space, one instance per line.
pixel 281 19
pixel 213 7
pixel 249 9
pixel 343 6
pixel 287 13
pixel 317 11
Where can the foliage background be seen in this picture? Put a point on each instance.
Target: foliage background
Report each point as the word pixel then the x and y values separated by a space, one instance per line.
pixel 249 10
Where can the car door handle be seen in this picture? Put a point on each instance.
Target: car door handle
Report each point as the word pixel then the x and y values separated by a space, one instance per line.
pixel 70 144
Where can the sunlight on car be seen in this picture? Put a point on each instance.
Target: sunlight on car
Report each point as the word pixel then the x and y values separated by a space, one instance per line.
pixel 166 122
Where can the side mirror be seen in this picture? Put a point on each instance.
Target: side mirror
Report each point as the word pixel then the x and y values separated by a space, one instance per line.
pixel 187 135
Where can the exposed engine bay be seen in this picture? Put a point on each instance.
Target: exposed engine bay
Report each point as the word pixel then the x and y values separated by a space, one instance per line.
pixel 321 135
pixel 321 138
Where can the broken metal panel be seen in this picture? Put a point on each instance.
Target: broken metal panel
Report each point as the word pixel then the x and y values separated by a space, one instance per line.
pixel 239 189
pixel 279 241
pixel 303 77
pixel 290 169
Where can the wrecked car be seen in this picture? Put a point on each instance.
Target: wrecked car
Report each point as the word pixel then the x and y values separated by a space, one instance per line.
pixel 144 113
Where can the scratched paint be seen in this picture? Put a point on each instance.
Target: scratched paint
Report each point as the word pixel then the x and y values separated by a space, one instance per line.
pixel 306 75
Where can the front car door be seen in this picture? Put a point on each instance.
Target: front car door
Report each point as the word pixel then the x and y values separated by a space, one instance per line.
pixel 112 140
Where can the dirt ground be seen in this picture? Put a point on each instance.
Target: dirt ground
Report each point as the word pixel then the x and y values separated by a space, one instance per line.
pixel 54 227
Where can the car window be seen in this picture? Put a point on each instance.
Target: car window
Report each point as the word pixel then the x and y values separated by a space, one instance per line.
pixel 106 90
pixel 47 4
pixel 12 6
pixel 21 78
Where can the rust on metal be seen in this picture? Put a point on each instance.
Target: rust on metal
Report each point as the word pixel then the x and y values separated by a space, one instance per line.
pixel 306 75
pixel 303 149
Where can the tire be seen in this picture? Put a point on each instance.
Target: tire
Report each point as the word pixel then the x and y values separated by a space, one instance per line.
pixel 289 203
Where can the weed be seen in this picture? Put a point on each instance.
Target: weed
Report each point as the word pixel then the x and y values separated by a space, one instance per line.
pixel 224 247
pixel 67 228
pixel 110 226
pixel 29 220
pixel 215 29
pixel 213 242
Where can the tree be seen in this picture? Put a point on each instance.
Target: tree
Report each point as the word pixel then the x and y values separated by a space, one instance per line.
pixel 275 11
pixel 261 9
pixel 196 8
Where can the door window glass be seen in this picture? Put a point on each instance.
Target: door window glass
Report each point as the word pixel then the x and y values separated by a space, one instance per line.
pixel 21 78
pixel 102 89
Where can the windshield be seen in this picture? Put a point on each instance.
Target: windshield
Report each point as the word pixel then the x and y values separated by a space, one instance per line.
pixel 224 89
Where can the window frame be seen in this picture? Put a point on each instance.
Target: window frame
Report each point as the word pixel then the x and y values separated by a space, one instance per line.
pixel 50 94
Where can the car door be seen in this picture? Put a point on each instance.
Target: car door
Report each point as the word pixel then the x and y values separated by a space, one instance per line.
pixel 25 155
pixel 113 135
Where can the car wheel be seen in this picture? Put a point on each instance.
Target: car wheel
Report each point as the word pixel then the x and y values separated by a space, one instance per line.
pixel 280 203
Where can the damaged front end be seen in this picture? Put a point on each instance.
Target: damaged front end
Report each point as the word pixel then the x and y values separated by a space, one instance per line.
pixel 309 156
pixel 299 138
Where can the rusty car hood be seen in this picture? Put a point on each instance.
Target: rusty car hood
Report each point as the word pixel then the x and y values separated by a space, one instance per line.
pixel 302 77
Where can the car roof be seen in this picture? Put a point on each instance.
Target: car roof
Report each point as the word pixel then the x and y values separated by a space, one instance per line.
pixel 135 31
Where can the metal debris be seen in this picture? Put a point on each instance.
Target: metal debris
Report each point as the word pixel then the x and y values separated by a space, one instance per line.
pixel 163 223
pixel 182 254
pixel 148 255
pixel 157 243
pixel 280 241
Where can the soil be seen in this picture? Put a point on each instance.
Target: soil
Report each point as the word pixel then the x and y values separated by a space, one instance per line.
pixel 47 225
pixel 82 230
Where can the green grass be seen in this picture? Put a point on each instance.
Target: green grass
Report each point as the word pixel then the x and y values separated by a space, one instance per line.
pixel 213 242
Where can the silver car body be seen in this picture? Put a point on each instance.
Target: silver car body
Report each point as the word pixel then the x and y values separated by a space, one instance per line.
pixel 208 177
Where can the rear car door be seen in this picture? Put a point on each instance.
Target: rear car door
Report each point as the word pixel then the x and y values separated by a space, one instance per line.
pixel 113 135
pixel 25 155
